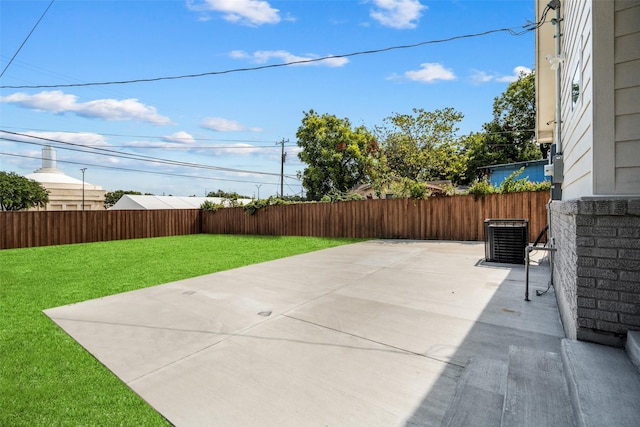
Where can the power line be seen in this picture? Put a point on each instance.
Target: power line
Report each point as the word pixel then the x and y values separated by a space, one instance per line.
pixel 165 137
pixel 139 157
pixel 191 147
pixel 27 38
pixel 514 31
pixel 140 170
pixel 132 157
pixel 497 132
pixel 248 141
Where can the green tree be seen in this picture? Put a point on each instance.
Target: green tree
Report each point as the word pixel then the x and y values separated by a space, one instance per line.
pixel 421 146
pixel 407 188
pixel 112 197
pixel 515 109
pixel 510 136
pixel 221 193
pixel 337 156
pixel 18 192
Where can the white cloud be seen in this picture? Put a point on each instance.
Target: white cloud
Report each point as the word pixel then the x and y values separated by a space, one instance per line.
pixel 245 12
pixel 181 137
pixel 239 149
pixel 239 54
pixel 263 56
pixel 125 109
pixel 400 14
pixel 429 73
pixel 51 101
pixel 517 73
pixel 218 124
pixel 479 76
pixel 58 102
pixel 80 138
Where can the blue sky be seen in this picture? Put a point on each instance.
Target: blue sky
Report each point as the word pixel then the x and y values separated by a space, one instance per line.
pixel 217 131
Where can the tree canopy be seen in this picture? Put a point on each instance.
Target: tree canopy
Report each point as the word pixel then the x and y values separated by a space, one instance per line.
pixel 19 193
pixel 510 136
pixel 338 156
pixel 420 147
pixel 409 149
pixel 226 195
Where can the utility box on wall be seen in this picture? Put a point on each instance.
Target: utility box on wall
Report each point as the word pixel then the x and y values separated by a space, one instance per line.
pixel 505 240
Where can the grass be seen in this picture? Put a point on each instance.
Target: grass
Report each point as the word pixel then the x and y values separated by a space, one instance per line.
pixel 46 378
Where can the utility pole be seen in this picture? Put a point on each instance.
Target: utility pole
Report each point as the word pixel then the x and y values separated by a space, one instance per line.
pixel 258 185
pixel 283 159
pixel 83 171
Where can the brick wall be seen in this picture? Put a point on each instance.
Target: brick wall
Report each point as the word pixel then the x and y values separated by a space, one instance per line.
pixel 565 260
pixel 597 267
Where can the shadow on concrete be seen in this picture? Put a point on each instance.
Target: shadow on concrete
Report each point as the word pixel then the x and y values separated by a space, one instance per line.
pixel 507 320
pixel 375 333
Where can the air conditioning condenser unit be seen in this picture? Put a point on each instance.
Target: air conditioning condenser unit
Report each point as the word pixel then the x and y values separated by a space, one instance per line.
pixel 506 240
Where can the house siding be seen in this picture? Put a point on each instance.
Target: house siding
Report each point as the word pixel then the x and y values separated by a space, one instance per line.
pixel 627 93
pixel 601 145
pixel 577 132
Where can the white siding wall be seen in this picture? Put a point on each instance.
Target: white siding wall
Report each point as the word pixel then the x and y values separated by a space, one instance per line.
pixel 577 129
pixel 627 97
pixel 601 133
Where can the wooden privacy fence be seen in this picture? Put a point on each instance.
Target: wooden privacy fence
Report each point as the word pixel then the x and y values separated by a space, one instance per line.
pixel 46 228
pixel 440 218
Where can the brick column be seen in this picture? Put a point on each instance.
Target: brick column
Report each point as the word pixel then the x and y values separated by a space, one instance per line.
pixel 597 267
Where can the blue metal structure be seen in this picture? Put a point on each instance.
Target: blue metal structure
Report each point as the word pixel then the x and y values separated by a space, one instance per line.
pixel 533 170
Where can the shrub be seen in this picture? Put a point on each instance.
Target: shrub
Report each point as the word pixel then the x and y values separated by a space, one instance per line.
pixel 252 208
pixel 210 206
pixel 509 185
pixel 480 188
pixel 337 196
pixel 408 188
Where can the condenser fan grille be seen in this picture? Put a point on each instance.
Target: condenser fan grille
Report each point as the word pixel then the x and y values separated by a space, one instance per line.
pixel 506 240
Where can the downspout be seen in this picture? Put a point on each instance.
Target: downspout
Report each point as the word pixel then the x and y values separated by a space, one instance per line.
pixel 556 155
pixel 558 131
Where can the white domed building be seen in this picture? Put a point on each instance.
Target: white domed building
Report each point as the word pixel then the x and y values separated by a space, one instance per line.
pixel 66 193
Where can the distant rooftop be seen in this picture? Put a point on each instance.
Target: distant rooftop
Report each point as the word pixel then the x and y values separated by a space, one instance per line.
pixel 49 174
pixel 147 202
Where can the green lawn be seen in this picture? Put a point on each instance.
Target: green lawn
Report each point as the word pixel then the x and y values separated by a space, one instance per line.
pixel 46 379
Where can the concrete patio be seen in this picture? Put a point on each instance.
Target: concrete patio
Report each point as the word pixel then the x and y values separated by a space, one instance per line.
pixel 371 334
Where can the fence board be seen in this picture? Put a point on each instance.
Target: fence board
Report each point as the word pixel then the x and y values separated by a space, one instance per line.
pixel 46 228
pixel 441 218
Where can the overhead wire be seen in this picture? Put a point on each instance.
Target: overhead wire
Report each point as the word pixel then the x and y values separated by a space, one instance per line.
pixel 514 31
pixel 165 137
pixel 178 146
pixel 139 157
pixel 130 157
pixel 248 141
pixel 141 170
pixel 292 190
pixel 26 38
